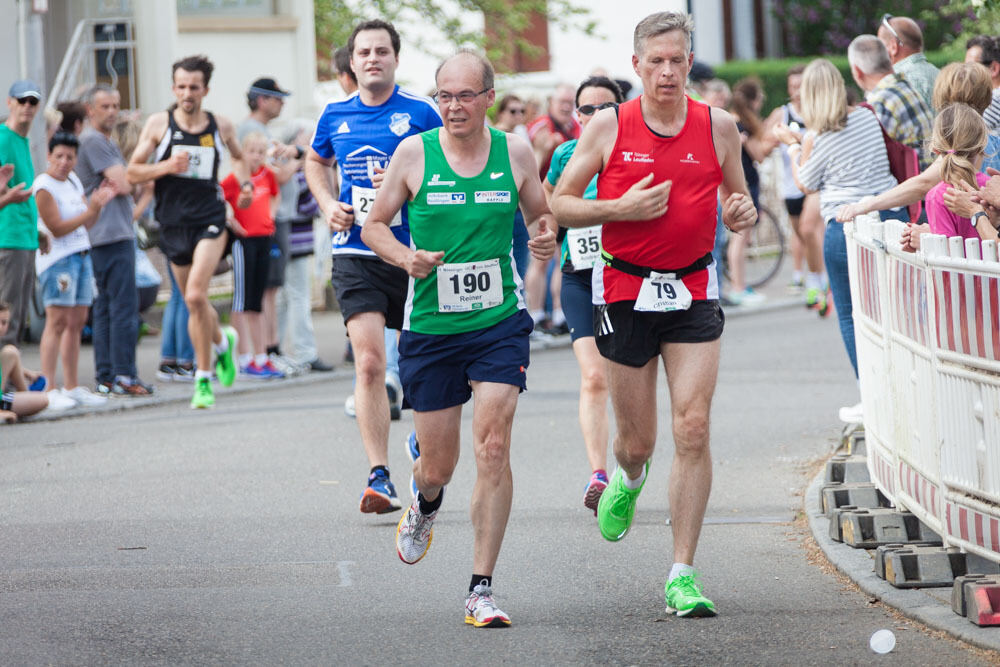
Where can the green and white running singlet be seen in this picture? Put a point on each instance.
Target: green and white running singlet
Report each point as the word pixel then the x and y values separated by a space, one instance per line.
pixel 472 221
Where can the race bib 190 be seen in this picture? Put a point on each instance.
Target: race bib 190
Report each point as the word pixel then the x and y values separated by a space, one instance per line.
pixel 469 286
pixel 363 199
pixel 661 293
pixel 584 247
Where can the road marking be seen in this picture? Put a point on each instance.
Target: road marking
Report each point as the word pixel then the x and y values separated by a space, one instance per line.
pixel 345 574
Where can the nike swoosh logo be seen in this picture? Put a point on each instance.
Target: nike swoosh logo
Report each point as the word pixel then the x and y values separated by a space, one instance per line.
pixel 495 175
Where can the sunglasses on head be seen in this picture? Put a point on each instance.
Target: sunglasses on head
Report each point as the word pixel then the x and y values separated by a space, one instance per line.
pixel 589 109
pixel 888 26
pixel 33 101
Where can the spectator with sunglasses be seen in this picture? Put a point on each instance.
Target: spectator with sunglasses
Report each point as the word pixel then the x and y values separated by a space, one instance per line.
pixel 581 250
pixel 904 41
pixel 19 235
pixel 510 118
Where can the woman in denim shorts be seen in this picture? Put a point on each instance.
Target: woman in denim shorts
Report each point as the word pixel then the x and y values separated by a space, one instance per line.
pixel 65 273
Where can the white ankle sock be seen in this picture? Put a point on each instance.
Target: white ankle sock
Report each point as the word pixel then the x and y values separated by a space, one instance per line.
pixel 680 569
pixel 633 483
pixel 813 281
pixel 199 374
pixel 260 359
pixel 222 346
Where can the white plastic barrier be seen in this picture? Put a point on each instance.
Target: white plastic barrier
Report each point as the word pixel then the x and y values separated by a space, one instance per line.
pixel 927 330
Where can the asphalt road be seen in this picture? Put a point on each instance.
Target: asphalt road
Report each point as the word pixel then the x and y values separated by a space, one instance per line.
pixel 163 536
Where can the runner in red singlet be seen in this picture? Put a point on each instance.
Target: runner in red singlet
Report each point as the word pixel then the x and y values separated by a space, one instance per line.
pixel 662 159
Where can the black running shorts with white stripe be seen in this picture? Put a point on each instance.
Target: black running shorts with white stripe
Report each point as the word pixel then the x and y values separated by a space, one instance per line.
pixel 630 337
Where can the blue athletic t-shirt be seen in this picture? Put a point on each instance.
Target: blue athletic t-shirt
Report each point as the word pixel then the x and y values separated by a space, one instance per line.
pixel 359 138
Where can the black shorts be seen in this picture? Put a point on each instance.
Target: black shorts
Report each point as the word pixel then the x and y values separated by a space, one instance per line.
pixel 369 285
pixel 794 206
pixel 178 241
pixel 279 255
pixel 576 297
pixel 630 337
pixel 251 259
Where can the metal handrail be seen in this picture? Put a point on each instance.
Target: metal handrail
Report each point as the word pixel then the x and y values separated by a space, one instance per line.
pixel 79 46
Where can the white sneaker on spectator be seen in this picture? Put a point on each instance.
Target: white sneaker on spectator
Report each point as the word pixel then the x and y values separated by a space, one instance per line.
pixel 58 401
pixel 84 397
pixel 852 414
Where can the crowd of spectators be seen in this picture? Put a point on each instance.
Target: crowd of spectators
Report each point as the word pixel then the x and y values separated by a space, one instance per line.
pixel 74 225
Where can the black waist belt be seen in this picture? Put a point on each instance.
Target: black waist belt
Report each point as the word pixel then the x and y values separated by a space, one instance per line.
pixel 644 271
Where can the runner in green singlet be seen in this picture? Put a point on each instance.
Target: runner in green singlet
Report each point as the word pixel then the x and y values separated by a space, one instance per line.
pixel 466 329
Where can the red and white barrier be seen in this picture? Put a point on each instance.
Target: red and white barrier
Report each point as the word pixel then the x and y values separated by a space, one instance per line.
pixel 927 331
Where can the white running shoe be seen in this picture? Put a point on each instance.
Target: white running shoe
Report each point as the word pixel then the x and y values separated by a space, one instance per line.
pixel 85 397
pixel 852 414
pixel 414 534
pixel 481 610
pixel 58 401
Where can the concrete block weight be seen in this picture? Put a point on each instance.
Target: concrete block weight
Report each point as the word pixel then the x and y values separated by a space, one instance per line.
pixel 870 528
pixel 924 566
pixel 846 468
pixel 854 444
pixel 859 494
pixel 835 515
pixel 977 598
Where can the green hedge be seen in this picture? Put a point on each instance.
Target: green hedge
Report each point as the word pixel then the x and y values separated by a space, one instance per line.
pixel 773 73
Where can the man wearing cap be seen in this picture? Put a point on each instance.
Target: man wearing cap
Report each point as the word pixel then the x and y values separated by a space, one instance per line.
pixel 19 235
pixel 266 100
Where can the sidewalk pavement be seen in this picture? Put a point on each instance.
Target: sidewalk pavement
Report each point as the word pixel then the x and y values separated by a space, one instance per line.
pixel 931 606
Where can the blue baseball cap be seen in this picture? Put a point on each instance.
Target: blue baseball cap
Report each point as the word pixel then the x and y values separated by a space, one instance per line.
pixel 267 87
pixel 25 88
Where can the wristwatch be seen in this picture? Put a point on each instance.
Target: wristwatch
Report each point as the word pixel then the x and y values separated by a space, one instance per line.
pixel 975 217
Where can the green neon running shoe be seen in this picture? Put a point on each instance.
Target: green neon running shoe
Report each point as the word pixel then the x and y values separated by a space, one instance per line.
pixel 203 397
pixel 685 598
pixel 617 506
pixel 225 363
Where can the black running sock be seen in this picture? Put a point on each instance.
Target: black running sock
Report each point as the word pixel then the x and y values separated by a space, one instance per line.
pixel 273 349
pixel 428 507
pixel 377 468
pixel 478 579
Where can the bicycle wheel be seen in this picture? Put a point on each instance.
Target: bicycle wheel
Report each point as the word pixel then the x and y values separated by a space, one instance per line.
pixel 765 249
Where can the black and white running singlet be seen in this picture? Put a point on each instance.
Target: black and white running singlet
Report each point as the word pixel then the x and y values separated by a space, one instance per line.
pixel 191 199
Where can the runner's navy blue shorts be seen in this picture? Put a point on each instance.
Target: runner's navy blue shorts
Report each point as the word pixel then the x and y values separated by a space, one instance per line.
pixel 436 370
pixel 576 297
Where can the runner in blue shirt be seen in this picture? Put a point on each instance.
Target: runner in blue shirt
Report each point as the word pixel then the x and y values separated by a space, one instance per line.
pixel 360 134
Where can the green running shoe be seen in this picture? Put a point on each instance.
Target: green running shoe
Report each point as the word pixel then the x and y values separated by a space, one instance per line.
pixel 617 506
pixel 685 598
pixel 203 397
pixel 225 363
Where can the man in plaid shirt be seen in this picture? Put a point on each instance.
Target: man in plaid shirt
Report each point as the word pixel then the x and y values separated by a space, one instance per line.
pixel 900 108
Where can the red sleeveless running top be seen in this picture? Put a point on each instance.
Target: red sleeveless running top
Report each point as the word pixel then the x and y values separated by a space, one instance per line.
pixel 687 231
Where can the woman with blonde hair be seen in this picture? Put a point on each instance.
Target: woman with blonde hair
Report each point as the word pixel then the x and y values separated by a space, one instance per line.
pixel 843 157
pixel 964 83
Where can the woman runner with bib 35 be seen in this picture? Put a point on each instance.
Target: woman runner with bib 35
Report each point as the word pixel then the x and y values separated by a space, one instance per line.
pixel 581 249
